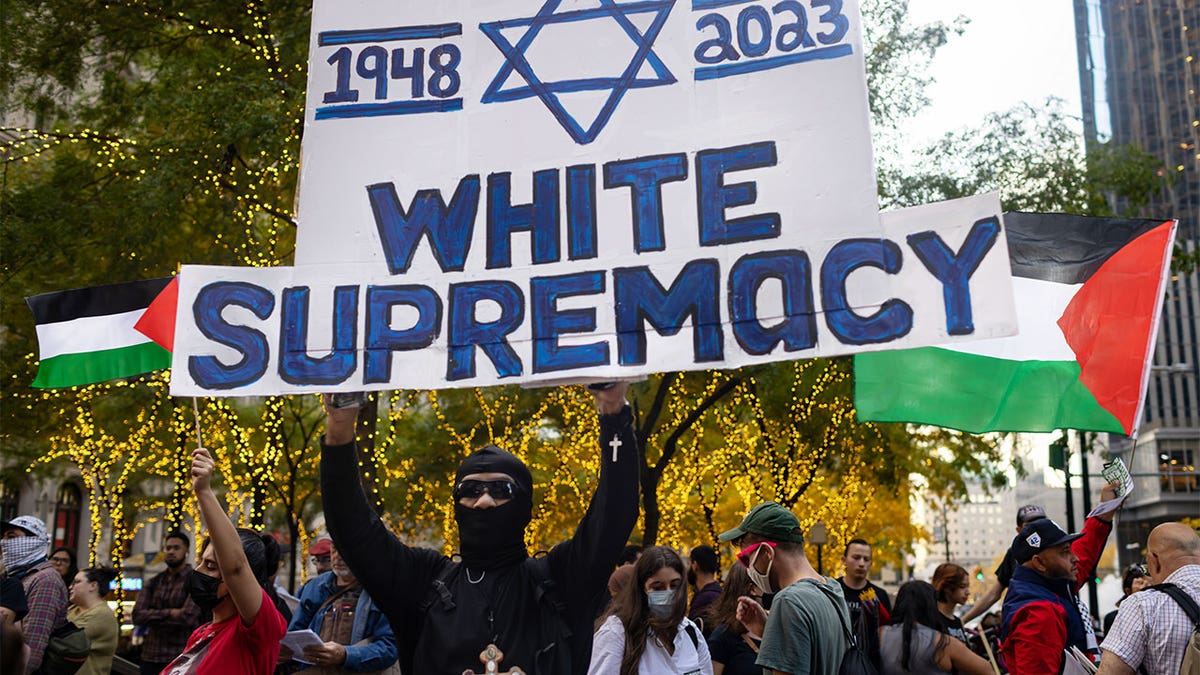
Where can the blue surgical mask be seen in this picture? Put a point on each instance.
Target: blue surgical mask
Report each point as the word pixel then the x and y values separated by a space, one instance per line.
pixel 661 602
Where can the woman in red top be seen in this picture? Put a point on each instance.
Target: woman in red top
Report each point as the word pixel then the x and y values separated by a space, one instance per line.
pixel 235 565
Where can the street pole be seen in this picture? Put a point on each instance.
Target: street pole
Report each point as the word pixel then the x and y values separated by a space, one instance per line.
pixel 1085 446
pixel 819 535
pixel 946 529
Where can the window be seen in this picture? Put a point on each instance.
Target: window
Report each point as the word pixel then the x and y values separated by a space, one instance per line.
pixel 1177 470
pixel 66 516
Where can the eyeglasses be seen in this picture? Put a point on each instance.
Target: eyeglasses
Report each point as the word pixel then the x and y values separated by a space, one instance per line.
pixel 474 489
pixel 744 555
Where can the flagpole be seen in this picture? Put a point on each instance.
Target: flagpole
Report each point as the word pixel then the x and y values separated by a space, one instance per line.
pixel 196 417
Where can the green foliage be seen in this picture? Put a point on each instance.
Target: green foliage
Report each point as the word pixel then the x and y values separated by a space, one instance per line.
pixel 139 136
pixel 1034 158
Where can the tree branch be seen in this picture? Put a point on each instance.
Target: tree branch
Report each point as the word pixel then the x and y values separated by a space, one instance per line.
pixel 672 442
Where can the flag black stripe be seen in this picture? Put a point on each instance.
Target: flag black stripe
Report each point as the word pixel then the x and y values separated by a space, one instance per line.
pixel 95 300
pixel 1067 249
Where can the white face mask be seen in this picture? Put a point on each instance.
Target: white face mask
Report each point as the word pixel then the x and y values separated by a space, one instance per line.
pixel 661 602
pixel 762 580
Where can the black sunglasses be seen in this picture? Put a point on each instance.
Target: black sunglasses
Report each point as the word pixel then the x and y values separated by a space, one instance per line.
pixel 474 489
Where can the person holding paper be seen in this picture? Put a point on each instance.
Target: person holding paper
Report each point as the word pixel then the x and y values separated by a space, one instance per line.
pixel 230 581
pixel 356 636
pixel 1043 616
pixel 496 602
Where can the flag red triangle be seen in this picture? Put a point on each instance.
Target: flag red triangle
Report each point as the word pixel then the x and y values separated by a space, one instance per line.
pixel 1110 322
pixel 158 321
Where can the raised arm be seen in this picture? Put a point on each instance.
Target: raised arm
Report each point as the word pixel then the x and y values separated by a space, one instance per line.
pixel 583 563
pixel 390 571
pixel 227 546
pixel 1090 546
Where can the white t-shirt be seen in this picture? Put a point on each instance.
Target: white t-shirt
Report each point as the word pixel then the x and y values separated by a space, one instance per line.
pixel 608 646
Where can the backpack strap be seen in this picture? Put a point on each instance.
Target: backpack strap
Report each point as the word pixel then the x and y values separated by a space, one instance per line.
pixel 547 592
pixel 844 624
pixel 691 631
pixel 1181 598
pixel 439 591
pixel 337 593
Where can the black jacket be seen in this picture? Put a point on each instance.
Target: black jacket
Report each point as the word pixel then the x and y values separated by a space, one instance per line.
pixel 445 632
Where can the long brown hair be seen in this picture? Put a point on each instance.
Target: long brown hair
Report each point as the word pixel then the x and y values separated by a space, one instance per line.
pixel 633 609
pixel 946 578
pixel 723 612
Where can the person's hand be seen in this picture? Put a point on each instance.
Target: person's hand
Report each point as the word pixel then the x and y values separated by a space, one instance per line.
pixel 340 423
pixel 328 654
pixel 612 400
pixel 285 655
pixel 752 616
pixel 202 470
pixel 1108 493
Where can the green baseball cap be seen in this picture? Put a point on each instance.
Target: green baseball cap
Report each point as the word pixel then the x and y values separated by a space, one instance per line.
pixel 769 520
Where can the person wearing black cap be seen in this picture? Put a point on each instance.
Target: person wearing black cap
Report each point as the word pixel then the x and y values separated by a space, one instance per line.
pixel 446 614
pixel 1025 515
pixel 1042 613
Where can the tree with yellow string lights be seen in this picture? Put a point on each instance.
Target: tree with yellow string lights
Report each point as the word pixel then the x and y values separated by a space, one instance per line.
pixel 153 134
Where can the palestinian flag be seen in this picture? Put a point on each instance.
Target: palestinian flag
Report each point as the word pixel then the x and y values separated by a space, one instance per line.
pixel 1088 294
pixel 87 335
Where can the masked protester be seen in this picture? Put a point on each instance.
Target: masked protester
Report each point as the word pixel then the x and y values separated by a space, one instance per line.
pixel 24 546
pixel 536 612
pixel 646 631
pixel 806 630
pixel 230 581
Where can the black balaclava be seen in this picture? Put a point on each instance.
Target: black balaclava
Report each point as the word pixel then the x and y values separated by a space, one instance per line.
pixel 495 537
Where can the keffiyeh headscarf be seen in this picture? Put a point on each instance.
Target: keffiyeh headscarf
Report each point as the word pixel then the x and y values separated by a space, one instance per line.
pixel 21 553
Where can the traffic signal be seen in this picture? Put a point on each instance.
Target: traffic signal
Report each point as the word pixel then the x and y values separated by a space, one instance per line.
pixel 1058 453
pixel 978 572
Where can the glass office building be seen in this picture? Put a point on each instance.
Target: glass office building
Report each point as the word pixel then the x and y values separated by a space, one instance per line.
pixel 1139 65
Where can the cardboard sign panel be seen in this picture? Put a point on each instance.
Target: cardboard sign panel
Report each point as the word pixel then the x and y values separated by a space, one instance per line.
pixel 458 137
pixel 935 274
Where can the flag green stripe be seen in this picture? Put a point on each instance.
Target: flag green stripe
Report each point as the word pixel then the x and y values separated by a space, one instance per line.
pixel 975 393
pixel 70 370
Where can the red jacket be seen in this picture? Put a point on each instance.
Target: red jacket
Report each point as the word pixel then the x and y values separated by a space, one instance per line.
pixel 1042 617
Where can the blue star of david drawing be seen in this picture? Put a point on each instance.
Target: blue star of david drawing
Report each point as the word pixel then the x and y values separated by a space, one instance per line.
pixel 548 91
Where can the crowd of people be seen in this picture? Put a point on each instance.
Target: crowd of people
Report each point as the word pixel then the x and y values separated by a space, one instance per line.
pixel 590 605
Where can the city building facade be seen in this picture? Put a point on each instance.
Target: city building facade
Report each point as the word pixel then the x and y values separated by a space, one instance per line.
pixel 1139 64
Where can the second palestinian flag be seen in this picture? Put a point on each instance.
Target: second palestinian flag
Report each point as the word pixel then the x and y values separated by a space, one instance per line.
pixel 87 335
pixel 1088 296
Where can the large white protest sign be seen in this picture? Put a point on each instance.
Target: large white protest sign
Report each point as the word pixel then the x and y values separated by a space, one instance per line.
pixel 934 274
pixel 477 137
pixel 571 190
